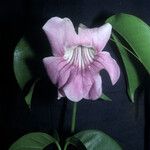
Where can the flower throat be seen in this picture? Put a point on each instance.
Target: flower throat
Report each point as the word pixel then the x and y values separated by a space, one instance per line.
pixel 80 56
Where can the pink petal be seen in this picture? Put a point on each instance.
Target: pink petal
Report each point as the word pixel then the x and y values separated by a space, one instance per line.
pixel 74 89
pixel 98 36
pixel 60 33
pixel 79 86
pixel 110 65
pixel 64 75
pixel 58 70
pixel 53 65
pixel 87 82
pixel 96 89
pixel 96 66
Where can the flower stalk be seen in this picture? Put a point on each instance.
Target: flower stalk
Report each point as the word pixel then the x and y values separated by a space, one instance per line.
pixel 73 121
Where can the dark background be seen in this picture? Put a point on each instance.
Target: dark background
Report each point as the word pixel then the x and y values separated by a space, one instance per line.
pixel 121 119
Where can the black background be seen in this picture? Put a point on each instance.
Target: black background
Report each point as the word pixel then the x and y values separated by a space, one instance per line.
pixel 124 121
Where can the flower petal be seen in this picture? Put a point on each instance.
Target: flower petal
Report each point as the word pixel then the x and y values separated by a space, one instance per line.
pixel 74 89
pixel 64 75
pixel 87 82
pixel 53 66
pixel 60 33
pixel 79 85
pixel 58 70
pixel 96 89
pixel 98 36
pixel 83 85
pixel 110 65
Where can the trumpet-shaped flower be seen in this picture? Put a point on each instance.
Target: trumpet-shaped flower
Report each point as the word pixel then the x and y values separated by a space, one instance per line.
pixel 78 58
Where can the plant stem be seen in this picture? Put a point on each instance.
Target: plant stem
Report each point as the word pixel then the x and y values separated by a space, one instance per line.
pixel 62 117
pixel 73 121
pixel 66 145
pixel 58 146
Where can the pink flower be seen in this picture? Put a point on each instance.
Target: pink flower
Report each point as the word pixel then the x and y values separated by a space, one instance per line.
pixel 78 59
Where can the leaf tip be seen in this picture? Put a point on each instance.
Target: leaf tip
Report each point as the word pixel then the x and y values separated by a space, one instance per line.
pixel 131 97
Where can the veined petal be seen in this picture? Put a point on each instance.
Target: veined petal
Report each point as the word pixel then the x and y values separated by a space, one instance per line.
pixel 60 33
pixel 64 75
pixel 110 65
pixel 78 86
pixel 96 89
pixel 96 66
pixel 74 89
pixel 53 67
pixel 98 36
pixel 88 81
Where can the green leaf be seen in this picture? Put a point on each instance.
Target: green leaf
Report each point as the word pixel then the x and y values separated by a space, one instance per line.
pixel 95 140
pixel 22 55
pixel 75 142
pixel 133 81
pixel 31 141
pixel 28 97
pixel 136 33
pixel 55 135
pixel 105 97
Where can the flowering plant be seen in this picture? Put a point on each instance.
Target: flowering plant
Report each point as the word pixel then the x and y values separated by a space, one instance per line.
pixel 74 69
